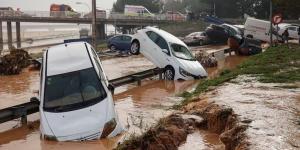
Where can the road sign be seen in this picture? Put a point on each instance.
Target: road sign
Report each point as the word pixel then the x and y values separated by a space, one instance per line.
pixel 277 18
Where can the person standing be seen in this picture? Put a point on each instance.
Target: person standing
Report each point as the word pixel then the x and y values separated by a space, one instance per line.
pixel 299 34
pixel 285 36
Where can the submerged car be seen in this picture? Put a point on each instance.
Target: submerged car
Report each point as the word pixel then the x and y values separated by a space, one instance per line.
pixel 196 38
pixel 76 102
pixel 167 52
pixel 119 42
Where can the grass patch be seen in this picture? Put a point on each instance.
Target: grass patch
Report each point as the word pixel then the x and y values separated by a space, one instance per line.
pixel 275 65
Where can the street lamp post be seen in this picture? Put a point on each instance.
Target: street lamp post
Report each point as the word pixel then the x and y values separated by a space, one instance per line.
pixel 94 32
pixel 271 23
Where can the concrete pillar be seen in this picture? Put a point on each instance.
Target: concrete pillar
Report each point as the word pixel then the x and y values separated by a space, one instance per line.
pixel 100 31
pixel 18 34
pixel 1 38
pixel 9 35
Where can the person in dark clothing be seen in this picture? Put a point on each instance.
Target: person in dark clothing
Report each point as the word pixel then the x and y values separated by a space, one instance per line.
pixel 285 36
pixel 299 34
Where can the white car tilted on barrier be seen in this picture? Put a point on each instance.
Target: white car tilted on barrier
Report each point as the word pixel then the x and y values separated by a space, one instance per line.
pixel 76 102
pixel 168 52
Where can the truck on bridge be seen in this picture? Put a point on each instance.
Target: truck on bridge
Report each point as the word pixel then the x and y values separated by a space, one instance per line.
pixel 62 10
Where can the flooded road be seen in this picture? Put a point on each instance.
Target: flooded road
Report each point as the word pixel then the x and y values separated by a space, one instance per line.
pixel 138 107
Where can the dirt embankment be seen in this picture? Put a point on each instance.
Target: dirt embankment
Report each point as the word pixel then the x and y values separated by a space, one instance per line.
pixel 172 131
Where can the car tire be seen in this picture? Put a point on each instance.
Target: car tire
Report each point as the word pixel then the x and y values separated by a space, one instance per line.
pixel 113 48
pixel 169 73
pixel 201 42
pixel 135 47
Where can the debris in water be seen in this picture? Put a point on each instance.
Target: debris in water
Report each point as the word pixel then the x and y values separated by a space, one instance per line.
pixel 14 62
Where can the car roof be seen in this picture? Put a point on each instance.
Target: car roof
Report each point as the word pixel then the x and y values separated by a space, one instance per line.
pixel 67 57
pixel 167 36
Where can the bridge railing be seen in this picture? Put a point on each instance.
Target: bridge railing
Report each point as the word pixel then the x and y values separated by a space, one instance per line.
pixel 68 14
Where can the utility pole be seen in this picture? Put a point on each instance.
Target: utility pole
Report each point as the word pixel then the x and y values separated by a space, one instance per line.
pixel 271 23
pixel 94 31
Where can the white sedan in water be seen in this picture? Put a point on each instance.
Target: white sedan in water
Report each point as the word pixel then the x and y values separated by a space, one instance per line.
pixel 168 52
pixel 76 102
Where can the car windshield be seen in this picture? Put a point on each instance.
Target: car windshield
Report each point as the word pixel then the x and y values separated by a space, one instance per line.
pixel 71 91
pixel 181 52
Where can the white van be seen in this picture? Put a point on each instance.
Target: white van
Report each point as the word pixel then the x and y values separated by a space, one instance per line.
pixel 167 52
pixel 134 10
pixel 258 29
pixel 76 103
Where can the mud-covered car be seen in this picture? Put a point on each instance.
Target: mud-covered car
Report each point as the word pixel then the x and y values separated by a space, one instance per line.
pixel 167 52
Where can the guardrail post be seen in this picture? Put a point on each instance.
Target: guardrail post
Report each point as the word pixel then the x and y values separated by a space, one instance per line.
pixel 138 79
pixel 9 35
pixel 18 34
pixel 1 38
pixel 21 112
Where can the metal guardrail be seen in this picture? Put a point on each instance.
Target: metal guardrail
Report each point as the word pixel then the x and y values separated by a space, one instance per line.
pixel 22 110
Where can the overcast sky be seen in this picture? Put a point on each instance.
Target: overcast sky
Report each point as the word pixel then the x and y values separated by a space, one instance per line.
pixel 44 5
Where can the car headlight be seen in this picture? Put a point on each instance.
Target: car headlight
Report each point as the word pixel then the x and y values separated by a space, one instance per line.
pixel 109 127
pixel 183 72
pixel 49 137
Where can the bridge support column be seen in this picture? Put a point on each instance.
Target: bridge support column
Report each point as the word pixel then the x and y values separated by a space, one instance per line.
pixel 101 31
pixel 9 35
pixel 18 34
pixel 1 38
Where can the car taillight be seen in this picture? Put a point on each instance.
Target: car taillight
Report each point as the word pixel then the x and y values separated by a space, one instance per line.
pixel 109 127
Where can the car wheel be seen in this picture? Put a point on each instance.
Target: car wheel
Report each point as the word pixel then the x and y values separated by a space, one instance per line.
pixel 135 48
pixel 169 73
pixel 113 48
pixel 201 42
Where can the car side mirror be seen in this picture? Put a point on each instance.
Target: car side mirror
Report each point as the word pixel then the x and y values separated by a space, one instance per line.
pixel 34 99
pixel 165 51
pixel 111 88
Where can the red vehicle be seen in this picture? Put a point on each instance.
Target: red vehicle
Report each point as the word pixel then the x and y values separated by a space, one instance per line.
pixel 177 16
pixel 57 10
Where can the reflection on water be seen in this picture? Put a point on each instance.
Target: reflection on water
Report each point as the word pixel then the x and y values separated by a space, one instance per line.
pixel 17 89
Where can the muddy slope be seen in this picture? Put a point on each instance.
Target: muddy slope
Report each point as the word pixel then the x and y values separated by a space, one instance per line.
pixel 172 131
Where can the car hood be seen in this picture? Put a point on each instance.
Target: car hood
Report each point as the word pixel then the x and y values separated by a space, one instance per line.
pixel 79 122
pixel 192 67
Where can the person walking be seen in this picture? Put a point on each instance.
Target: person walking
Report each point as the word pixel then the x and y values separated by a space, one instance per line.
pixel 285 36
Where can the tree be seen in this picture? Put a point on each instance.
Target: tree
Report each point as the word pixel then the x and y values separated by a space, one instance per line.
pixel 153 6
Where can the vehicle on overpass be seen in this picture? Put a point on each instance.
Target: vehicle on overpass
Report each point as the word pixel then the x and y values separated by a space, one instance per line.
pixel 76 101
pixel 167 52
pixel 99 14
pixel 175 16
pixel 62 10
pixel 8 11
pixel 119 42
pixel 139 11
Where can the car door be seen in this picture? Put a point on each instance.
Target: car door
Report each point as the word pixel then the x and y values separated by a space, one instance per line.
pixel 155 49
pixel 293 32
pixel 116 41
pixel 126 42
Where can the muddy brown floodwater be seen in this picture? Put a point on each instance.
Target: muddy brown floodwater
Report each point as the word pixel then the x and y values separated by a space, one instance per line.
pixel 138 107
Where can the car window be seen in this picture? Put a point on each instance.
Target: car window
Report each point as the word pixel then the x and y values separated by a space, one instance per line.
pixel 181 52
pixel 127 38
pixel 203 34
pixel 73 90
pixel 292 28
pixel 153 36
pixel 117 38
pixel 158 40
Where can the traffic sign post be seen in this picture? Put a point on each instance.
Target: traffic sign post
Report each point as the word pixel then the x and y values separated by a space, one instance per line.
pixel 277 19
